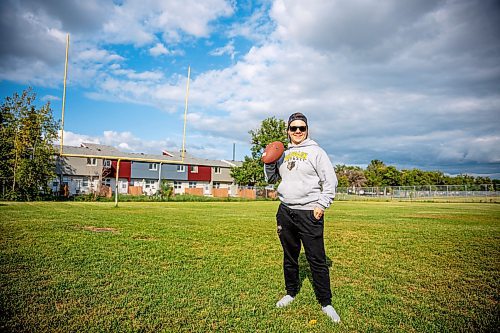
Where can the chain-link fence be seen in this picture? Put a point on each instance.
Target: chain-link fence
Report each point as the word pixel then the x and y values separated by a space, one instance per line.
pixel 420 192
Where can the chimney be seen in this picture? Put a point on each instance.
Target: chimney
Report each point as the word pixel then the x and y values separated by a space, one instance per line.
pixel 166 153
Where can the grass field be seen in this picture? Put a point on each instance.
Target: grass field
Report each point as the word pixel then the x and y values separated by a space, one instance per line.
pixel 216 266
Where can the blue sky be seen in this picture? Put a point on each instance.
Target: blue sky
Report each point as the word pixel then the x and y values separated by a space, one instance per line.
pixel 412 83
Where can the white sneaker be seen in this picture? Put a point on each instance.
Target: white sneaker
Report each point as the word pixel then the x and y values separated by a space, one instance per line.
pixel 331 313
pixel 286 300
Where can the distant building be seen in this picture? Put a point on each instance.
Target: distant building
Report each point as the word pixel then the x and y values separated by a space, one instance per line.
pixel 93 168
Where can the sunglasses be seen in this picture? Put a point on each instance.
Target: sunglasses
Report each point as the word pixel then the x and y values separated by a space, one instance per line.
pixel 300 128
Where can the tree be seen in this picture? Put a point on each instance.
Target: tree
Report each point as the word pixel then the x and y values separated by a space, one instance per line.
pixel 252 171
pixel 27 134
pixel 379 174
pixel 391 176
pixel 350 176
pixel 342 177
pixel 374 172
pixel 166 191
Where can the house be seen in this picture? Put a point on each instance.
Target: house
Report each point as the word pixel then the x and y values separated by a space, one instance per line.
pixel 88 168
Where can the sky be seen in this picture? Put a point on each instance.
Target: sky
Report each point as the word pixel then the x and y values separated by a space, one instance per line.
pixel 413 83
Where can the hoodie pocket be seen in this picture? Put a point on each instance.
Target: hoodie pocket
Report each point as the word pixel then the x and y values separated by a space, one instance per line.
pixel 292 190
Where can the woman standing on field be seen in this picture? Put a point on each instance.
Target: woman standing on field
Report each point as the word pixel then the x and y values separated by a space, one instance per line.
pixel 307 188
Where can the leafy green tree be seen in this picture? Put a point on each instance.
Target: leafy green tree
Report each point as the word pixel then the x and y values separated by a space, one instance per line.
pixel 7 134
pixel 391 176
pixel 342 177
pixel 350 176
pixel 415 177
pixel 436 177
pixel 379 174
pixel 27 153
pixel 166 191
pixel 374 172
pixel 252 171
pixel 463 179
pixel 495 185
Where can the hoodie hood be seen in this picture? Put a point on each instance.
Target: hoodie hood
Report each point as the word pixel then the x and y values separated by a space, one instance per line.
pixel 306 143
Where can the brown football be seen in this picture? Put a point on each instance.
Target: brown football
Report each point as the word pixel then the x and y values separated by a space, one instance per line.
pixel 273 152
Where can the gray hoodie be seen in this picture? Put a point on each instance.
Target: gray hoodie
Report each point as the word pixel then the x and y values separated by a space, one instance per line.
pixel 307 176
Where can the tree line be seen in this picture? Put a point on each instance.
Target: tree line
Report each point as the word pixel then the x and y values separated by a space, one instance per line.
pixel 27 155
pixel 377 173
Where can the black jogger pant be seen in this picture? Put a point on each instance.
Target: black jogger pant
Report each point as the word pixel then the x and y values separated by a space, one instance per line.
pixel 295 226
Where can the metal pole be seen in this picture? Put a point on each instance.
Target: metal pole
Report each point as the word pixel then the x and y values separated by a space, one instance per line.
pixel 159 180
pixel 185 115
pixel 64 96
pixel 116 185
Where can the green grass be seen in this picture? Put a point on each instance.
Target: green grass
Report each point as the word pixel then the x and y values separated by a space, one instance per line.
pixel 216 266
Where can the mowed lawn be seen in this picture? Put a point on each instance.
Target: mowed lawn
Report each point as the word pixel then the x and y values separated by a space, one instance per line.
pixel 216 267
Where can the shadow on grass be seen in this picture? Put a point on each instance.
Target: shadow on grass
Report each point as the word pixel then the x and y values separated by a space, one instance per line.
pixel 305 269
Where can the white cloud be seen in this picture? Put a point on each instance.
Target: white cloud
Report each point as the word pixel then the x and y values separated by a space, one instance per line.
pixel 96 55
pixel 137 21
pixel 28 24
pixel 258 27
pixel 227 49
pixel 75 139
pixel 158 49
pixel 142 76
pixel 129 142
pixel 51 98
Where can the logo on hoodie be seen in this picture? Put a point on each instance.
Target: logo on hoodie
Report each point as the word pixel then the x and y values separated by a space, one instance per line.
pixel 293 157
pixel 296 156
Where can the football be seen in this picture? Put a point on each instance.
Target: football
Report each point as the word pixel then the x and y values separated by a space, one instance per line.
pixel 273 152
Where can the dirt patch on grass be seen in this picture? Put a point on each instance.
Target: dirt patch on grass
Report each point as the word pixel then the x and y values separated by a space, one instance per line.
pixel 100 229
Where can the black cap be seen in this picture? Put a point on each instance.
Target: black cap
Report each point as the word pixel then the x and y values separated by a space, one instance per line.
pixel 297 116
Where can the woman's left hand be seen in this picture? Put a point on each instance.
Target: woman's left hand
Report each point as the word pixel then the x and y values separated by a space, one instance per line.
pixel 318 213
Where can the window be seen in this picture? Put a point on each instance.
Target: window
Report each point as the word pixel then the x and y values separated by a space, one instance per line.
pixel 107 163
pixel 181 168
pixel 177 185
pixel 91 161
pixel 217 170
pixel 192 184
pixel 216 184
pixel 85 183
pixel 149 183
pixel 153 166
pixel 194 168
